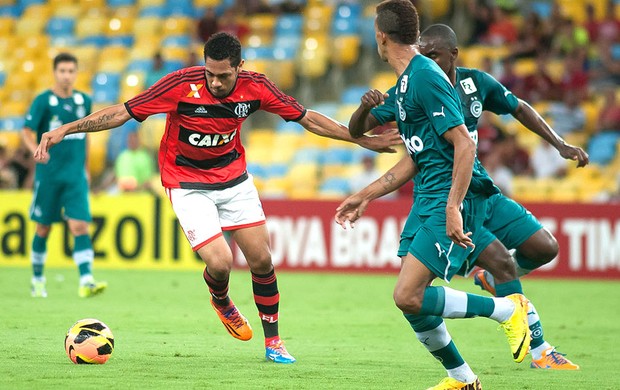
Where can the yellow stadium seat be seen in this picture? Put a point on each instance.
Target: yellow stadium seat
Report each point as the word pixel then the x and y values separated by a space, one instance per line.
pixel 174 53
pixel 591 110
pixel 386 161
pixel 6 26
pixel 345 50
pixel 344 112
pixel 206 3
pixel 37 11
pixel 11 139
pixel 313 62
pixel 555 68
pixel 525 66
pixel 275 187
pixel 97 152
pixel 260 137
pixel 90 26
pixel 120 24
pixel 383 81
pixel 14 108
pixel 145 47
pixel 148 3
pixel 151 131
pixel 92 3
pixel 317 18
pixel 30 26
pixel 261 23
pixel 73 11
pixel 178 25
pixel 147 26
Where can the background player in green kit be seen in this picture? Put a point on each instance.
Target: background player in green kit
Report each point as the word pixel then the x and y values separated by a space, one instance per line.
pixel 433 241
pixel 61 183
pixel 514 226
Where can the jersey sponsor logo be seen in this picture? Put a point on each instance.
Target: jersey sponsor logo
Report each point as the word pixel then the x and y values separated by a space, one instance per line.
pixel 80 112
pixel 413 144
pixel 476 108
pixel 242 110
pixel 403 83
pixel 194 90
pixel 205 140
pixel 439 113
pixel 468 86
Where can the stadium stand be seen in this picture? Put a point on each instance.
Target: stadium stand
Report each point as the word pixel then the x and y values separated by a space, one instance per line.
pixel 326 44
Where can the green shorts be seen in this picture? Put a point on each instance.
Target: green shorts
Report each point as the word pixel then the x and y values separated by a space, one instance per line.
pixel 508 221
pixel 424 234
pixel 52 200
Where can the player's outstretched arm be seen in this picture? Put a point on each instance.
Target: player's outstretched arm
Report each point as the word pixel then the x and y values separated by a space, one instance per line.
pixel 464 155
pixel 352 208
pixel 322 125
pixel 362 120
pixel 531 119
pixel 106 118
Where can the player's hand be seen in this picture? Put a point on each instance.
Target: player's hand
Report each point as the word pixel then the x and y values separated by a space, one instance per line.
pixel 575 153
pixel 454 228
pixel 382 143
pixel 350 210
pixel 49 139
pixel 373 98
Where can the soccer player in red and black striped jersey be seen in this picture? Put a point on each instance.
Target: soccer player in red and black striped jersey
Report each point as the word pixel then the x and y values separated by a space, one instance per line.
pixel 203 169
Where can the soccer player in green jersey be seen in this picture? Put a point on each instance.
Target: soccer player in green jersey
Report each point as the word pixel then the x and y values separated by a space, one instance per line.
pixel 451 196
pixel 513 225
pixel 61 183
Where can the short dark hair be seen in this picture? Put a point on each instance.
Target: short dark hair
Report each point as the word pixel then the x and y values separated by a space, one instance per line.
pixel 443 33
pixel 399 20
pixel 221 46
pixel 64 57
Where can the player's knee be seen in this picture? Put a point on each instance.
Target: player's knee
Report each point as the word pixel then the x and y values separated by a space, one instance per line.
pixel 540 248
pixel 497 260
pixel 78 228
pixel 550 249
pixel 43 230
pixel 407 302
pixel 260 263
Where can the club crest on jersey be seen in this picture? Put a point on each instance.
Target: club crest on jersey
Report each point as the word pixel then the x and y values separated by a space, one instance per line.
pixel 242 110
pixel 476 108
pixel 401 111
pixel 194 90
pixel 468 86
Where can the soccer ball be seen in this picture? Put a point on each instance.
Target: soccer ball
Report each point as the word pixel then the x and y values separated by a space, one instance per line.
pixel 89 341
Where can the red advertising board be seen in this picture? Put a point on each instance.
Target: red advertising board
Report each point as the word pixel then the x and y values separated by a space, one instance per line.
pixel 304 236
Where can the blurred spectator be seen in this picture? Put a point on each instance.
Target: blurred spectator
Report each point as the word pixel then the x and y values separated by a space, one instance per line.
pixel 609 27
pixel 502 30
pixel 575 78
pixel 605 70
pixel 193 59
pixel 539 85
pixel 547 162
pixel 207 25
pixel 509 78
pixel 569 40
pixel 231 23
pixel 567 116
pixel 591 24
pixel 603 144
pixel 157 71
pixel 481 14
pixel 22 164
pixel 8 179
pixel 369 174
pixel 499 172
pixel 514 156
pixel 133 169
pixel 534 38
pixel 489 135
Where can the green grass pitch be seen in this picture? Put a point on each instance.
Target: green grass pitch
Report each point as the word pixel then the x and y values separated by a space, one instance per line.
pixel 344 331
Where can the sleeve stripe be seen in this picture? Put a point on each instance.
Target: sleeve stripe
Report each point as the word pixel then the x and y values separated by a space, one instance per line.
pixel 163 87
pixel 262 79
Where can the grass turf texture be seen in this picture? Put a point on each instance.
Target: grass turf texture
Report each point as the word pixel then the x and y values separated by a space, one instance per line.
pixel 344 330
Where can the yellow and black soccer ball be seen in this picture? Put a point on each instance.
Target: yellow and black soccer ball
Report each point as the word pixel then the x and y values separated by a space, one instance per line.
pixel 89 341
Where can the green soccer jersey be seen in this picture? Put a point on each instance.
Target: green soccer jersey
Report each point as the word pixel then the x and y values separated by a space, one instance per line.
pixel 48 112
pixel 481 182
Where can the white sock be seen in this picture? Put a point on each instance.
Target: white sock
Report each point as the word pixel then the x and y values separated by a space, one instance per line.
pixel 538 351
pixel 86 279
pixel 504 308
pixel 462 373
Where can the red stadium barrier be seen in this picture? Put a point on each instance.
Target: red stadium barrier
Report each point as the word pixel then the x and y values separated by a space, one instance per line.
pixel 304 236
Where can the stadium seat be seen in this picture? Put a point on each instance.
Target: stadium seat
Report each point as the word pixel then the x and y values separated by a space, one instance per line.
pixel 2 78
pixel 177 26
pixel 181 8
pixel 30 26
pixel 289 127
pixel 308 155
pixel 73 11
pixel 157 11
pixel 95 40
pixel 121 40
pixel 261 53
pixel 148 26
pixel 117 141
pixel 58 26
pixel 14 108
pixel 288 25
pixel 140 65
pixel 172 65
pixel 201 4
pixel 90 26
pixel 121 3
pixel 10 138
pixel 177 40
pixel 7 24
pixel 345 50
pixel 341 26
pixel 334 188
pixel 12 123
pixel 10 11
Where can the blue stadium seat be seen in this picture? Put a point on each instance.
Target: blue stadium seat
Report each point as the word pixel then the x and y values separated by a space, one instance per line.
pixel 341 26
pixel 177 40
pixel 307 155
pixel 13 11
pixel 330 109
pixel 64 41
pixel 60 27
pixel 95 40
pixel 353 94
pixel 181 8
pixel 285 52
pixel 172 65
pixel 349 11
pixel 262 53
pixel 257 170
pixel 117 141
pixel 121 40
pixel 157 11
pixel 106 79
pixel 276 170
pixel 289 127
pixel 26 3
pixel 105 94
pixel 367 30
pixel 143 65
pixel 336 185
pixel 289 25
pixel 120 3
pixel 12 123
pixel 337 156
pixel 542 9
pixel 2 78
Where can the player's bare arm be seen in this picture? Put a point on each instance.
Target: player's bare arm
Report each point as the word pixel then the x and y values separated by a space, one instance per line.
pixel 29 138
pixel 531 119
pixel 362 120
pixel 104 119
pixel 464 155
pixel 319 124
pixel 352 208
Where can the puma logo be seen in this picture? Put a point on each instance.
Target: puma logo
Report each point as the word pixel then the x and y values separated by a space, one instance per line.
pixel 440 113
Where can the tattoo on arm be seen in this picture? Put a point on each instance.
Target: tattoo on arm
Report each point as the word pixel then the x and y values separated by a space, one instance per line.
pixel 90 125
pixel 388 179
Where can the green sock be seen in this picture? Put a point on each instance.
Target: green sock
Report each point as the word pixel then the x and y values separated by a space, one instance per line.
pixel 83 254
pixel 512 287
pixel 432 333
pixel 525 265
pixel 448 303
pixel 38 254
